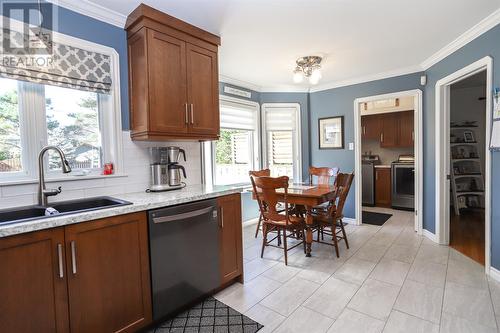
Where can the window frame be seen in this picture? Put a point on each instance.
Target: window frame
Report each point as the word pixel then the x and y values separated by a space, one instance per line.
pixel 33 131
pixel 208 148
pixel 297 163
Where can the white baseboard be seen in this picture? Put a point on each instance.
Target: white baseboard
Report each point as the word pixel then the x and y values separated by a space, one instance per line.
pixel 349 220
pixel 250 222
pixel 430 235
pixel 494 274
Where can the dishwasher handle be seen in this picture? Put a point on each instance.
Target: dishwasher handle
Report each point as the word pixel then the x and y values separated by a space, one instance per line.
pixel 182 216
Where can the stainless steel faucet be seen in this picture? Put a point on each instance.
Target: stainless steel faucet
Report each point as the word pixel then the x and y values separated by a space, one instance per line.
pixel 43 193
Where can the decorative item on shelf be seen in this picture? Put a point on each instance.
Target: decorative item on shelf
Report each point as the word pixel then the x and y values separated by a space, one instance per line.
pixel 108 169
pixel 331 132
pixel 456 170
pixel 461 202
pixel 308 67
pixel 469 136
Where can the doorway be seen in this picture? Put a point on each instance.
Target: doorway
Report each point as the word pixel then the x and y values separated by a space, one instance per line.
pixel 463 168
pixel 400 183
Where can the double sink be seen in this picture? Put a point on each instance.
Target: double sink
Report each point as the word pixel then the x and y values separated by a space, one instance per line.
pixel 35 212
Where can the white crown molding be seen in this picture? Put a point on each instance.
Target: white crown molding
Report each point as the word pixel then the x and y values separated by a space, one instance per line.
pixel 93 10
pixel 368 78
pixel 477 30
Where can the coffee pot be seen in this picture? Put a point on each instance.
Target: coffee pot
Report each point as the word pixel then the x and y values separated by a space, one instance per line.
pixel 174 153
pixel 174 174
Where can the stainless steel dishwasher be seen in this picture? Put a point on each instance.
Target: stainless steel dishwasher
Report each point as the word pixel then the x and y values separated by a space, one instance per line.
pixel 184 254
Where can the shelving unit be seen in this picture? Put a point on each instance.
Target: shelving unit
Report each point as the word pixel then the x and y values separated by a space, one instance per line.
pixel 467 181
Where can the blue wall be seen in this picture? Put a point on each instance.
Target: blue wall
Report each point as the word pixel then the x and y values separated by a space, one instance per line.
pixel 485 45
pixel 340 102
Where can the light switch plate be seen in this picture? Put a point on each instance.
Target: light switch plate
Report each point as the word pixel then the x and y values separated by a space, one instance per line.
pixel 351 145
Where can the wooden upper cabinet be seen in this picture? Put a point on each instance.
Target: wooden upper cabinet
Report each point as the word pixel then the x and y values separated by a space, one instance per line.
pixel 33 283
pixel 389 130
pixel 370 127
pixel 230 237
pixel 167 83
pixel 108 274
pixel 406 129
pixel 173 74
pixel 203 97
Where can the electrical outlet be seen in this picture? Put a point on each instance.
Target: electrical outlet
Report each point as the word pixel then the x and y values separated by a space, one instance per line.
pixel 351 145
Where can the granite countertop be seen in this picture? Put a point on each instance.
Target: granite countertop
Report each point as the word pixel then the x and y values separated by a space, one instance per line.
pixel 383 166
pixel 141 201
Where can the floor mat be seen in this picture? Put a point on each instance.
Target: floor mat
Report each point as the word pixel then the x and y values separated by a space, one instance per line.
pixel 375 218
pixel 209 316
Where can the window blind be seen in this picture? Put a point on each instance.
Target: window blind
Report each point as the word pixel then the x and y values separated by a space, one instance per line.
pixel 237 116
pixel 280 147
pixel 67 66
pixel 281 119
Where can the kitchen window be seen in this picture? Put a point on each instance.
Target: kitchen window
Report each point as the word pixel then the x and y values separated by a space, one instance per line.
pixel 72 105
pixel 281 139
pixel 237 150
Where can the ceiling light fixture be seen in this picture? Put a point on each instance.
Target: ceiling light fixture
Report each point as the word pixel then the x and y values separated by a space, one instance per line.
pixel 309 67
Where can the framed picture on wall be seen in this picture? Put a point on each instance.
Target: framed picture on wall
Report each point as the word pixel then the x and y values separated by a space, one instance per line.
pixel 331 132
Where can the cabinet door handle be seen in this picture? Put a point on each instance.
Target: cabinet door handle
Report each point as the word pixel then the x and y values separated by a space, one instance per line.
pixel 73 257
pixel 186 113
pixel 192 114
pixel 381 137
pixel 364 130
pixel 412 135
pixel 222 217
pixel 60 260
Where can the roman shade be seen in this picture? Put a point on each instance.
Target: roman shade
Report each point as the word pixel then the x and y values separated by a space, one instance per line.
pixel 67 66
pixel 281 126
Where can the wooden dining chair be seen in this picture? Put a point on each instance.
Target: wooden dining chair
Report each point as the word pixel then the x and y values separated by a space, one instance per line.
pixel 265 189
pixel 332 217
pixel 259 173
pixel 324 175
pixel 263 173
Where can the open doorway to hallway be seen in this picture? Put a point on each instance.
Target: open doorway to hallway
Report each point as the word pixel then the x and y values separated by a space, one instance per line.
pixel 467 128
pixel 388 157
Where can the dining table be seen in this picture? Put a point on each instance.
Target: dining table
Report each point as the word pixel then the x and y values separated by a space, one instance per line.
pixel 307 196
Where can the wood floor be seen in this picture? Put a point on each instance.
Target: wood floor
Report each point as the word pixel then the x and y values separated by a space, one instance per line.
pixel 467 234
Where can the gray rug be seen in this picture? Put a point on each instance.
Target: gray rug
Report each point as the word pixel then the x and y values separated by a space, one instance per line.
pixel 209 316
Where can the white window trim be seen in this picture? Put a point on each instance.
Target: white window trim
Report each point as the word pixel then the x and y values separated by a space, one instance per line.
pixel 267 107
pixel 111 121
pixel 208 148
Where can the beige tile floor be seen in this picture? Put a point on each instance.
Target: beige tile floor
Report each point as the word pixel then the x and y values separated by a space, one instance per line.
pixel 390 280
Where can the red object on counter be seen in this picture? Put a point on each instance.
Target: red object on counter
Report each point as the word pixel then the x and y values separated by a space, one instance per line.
pixel 108 169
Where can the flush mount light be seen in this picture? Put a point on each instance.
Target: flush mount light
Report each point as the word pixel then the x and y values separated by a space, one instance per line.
pixel 309 67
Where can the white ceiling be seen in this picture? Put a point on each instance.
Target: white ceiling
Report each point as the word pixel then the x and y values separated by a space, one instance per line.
pixel 261 39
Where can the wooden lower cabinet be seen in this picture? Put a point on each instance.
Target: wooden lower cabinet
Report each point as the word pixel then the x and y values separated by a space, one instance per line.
pixel 86 277
pixel 108 274
pixel 230 238
pixel 383 187
pixel 33 293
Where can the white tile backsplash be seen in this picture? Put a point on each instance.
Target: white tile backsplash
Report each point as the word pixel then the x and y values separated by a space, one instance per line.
pixel 135 167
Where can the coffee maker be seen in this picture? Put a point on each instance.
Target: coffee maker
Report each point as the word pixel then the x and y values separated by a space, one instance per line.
pixel 165 169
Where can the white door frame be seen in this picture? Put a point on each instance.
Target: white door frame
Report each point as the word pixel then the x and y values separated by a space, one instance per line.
pixel 442 110
pixel 418 120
